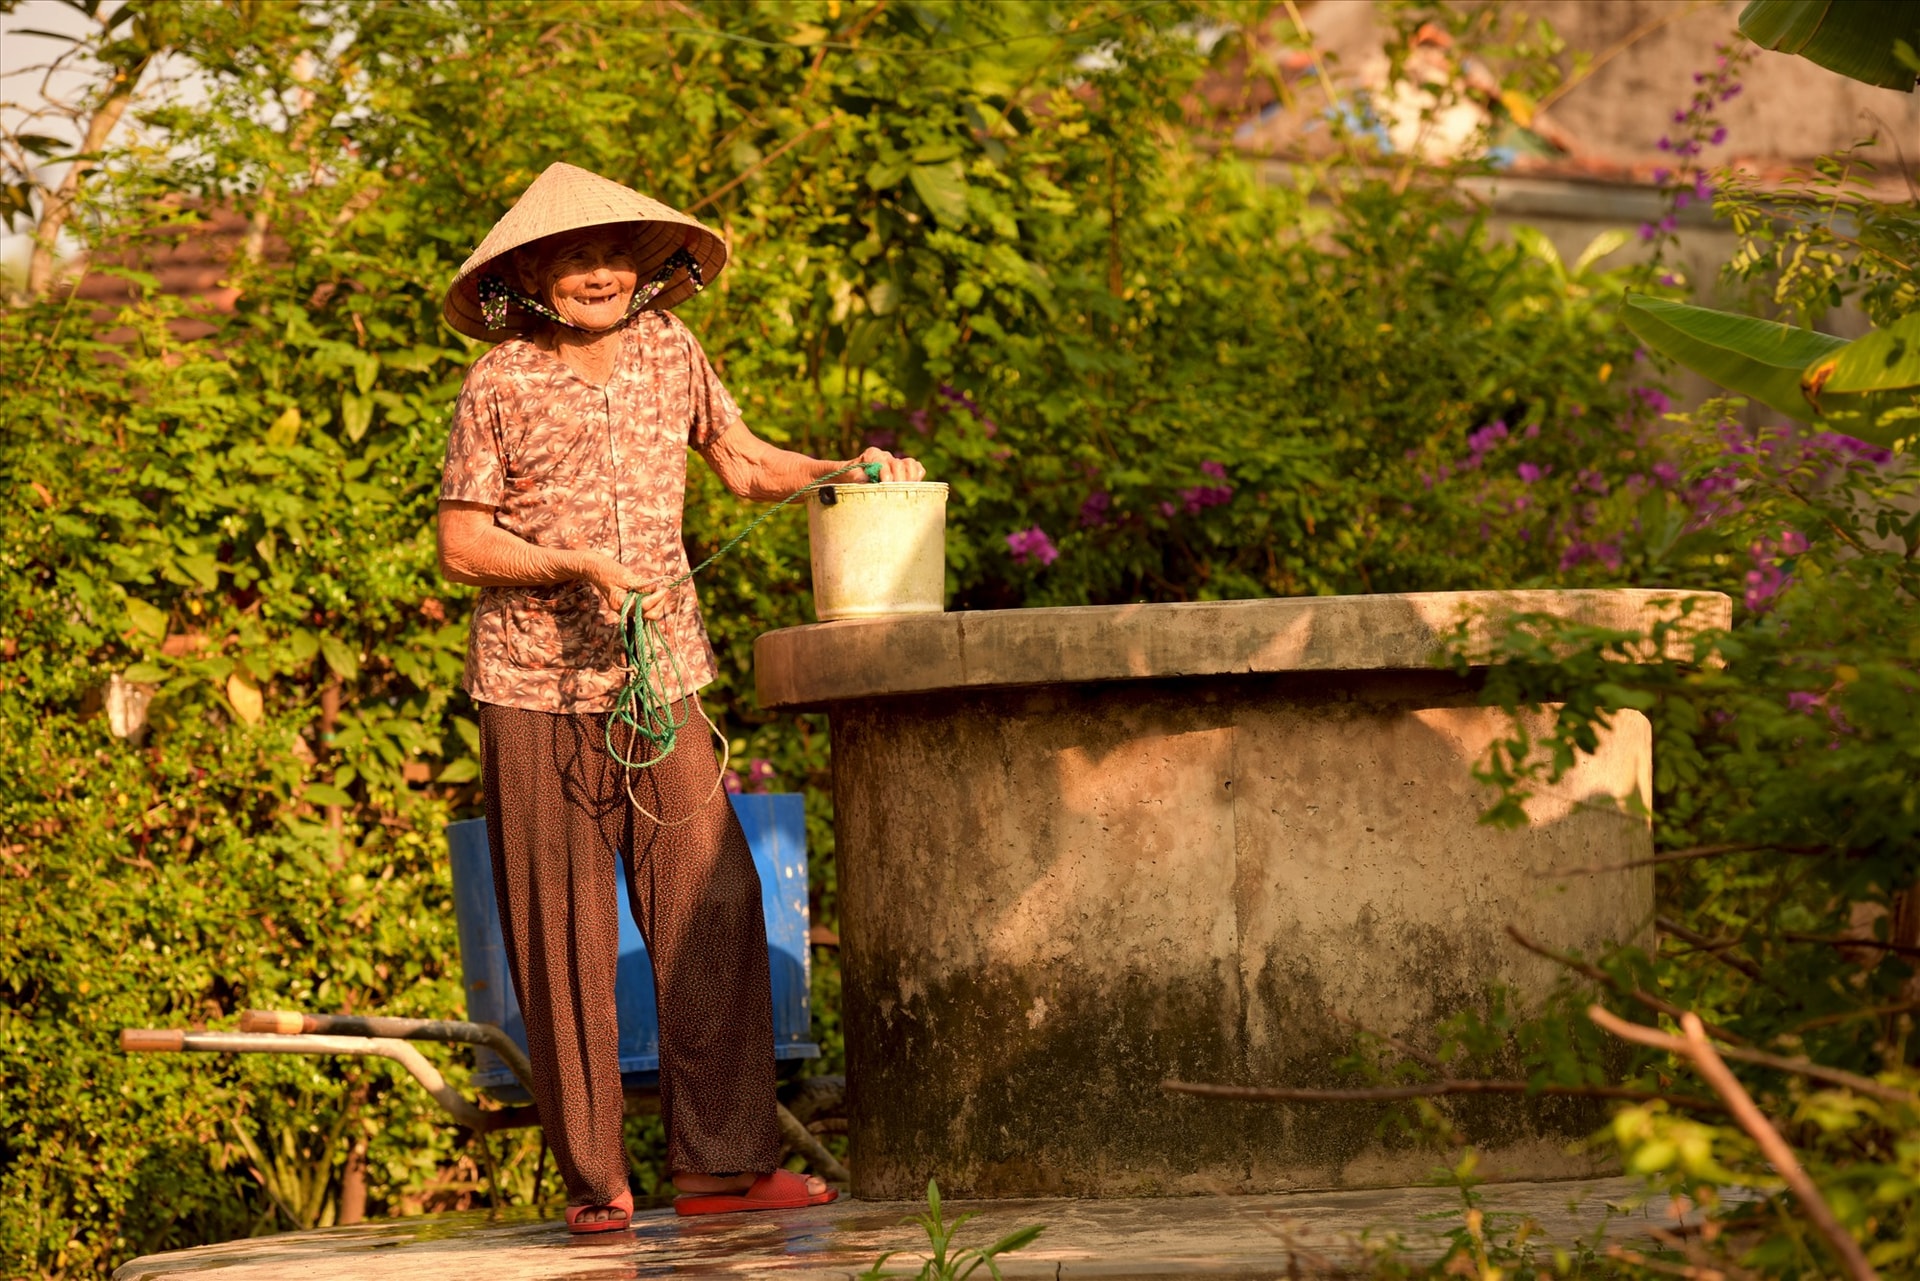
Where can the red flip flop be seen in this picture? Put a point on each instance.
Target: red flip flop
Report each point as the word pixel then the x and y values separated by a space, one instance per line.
pixel 622 1203
pixel 781 1190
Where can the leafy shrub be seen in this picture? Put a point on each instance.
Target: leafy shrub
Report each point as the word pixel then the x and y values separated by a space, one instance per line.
pixel 982 232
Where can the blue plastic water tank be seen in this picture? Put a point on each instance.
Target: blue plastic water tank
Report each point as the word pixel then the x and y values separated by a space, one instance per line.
pixel 776 832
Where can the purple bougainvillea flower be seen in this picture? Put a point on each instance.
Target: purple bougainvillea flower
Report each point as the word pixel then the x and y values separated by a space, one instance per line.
pixel 1216 470
pixel 1168 509
pixel 1532 432
pixel 1803 700
pixel 1580 551
pixel 1096 509
pixel 883 439
pixel 1485 438
pixel 1850 448
pixel 1660 177
pixel 918 421
pixel 1653 398
pixel 1666 473
pixel 1648 231
pixel 1665 143
pixel 1764 582
pixel 1201 497
pixel 1530 472
pixel 1032 546
pixel 1719 136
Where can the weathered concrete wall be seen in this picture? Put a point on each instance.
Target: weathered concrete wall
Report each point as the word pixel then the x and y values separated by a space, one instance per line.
pixel 1053 899
pixel 1085 850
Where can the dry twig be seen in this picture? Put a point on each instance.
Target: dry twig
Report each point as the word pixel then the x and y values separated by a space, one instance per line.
pixel 1695 1048
pixel 1428 1090
pixel 1600 976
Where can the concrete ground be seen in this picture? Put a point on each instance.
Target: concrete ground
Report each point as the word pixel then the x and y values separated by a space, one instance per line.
pixel 1299 1234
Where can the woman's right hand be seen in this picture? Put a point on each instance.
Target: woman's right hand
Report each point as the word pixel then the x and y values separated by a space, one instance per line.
pixel 614 581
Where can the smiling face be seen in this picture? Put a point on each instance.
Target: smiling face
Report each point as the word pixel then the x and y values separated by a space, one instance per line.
pixel 588 278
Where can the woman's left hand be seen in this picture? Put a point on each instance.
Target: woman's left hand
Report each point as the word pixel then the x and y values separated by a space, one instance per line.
pixel 892 468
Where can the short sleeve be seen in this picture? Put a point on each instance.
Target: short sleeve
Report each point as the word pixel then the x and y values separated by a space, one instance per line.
pixel 713 411
pixel 475 470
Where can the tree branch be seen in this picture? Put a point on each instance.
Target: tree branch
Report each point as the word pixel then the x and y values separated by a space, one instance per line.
pixel 764 161
pixel 62 199
pixel 1599 975
pixel 1427 1090
pixel 1681 856
pixel 1695 1047
pixel 1715 948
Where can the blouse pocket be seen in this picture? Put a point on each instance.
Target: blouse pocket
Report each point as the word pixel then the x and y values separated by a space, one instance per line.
pixel 561 628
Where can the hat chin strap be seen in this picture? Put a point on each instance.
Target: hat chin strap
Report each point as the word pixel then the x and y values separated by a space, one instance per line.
pixel 496 295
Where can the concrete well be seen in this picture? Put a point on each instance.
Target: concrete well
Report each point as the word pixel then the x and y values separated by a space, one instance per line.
pixel 1084 850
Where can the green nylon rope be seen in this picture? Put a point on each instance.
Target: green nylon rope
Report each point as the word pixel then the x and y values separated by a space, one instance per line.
pixel 644 706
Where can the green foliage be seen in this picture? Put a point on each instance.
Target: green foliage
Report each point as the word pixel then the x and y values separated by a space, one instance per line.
pixel 962 1262
pixel 983 233
pixel 1787 800
pixel 1758 358
pixel 1869 387
pixel 1860 39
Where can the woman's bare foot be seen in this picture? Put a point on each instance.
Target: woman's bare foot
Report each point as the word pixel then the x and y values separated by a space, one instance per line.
pixel 707 1184
pixel 600 1214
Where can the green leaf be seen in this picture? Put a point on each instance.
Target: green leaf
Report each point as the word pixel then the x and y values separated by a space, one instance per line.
pixel 1535 244
pixel 1884 360
pixel 304 645
pixel 325 794
pixel 285 430
pixel 1871 387
pixel 144 674
pixel 884 174
pixel 464 770
pixel 1018 1240
pixel 147 618
pixel 943 187
pixel 1607 242
pixel 1759 359
pixel 204 569
pixel 356 414
pixel 1853 37
pixel 343 661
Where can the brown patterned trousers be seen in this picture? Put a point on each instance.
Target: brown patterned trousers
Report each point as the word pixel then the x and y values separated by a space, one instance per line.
pixel 557 813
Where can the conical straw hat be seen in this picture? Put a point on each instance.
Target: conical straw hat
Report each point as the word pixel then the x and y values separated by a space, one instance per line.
pixel 566 198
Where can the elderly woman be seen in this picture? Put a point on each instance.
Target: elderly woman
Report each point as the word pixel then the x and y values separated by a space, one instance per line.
pixel 565 477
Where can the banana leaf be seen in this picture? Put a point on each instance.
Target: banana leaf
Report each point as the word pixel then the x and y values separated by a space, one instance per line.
pixel 1871 387
pixel 1853 37
pixel 1760 359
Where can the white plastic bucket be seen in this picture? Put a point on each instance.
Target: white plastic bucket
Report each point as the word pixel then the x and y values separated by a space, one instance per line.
pixel 878 549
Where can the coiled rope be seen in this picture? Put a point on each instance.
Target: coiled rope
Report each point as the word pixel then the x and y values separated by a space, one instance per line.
pixel 645 706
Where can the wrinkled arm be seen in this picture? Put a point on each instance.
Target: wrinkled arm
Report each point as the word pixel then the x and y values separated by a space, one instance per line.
pixel 753 469
pixel 476 551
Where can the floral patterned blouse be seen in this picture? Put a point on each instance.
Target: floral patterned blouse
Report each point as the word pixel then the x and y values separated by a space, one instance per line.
pixel 568 464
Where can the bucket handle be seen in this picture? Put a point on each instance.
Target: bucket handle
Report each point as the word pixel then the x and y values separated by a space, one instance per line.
pixel 827 497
